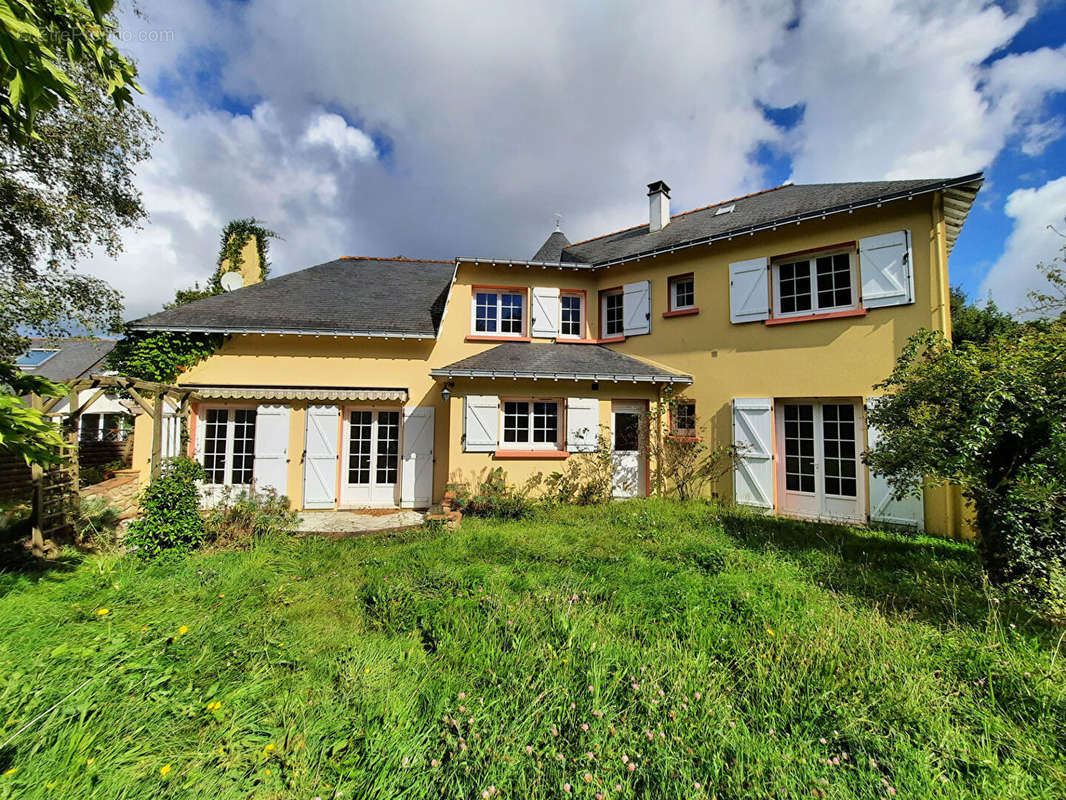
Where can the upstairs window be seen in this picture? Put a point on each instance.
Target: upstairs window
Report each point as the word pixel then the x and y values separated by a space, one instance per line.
pixel 571 322
pixel 499 312
pixel 229 445
pixel 819 284
pixel 682 292
pixel 612 316
pixel 531 424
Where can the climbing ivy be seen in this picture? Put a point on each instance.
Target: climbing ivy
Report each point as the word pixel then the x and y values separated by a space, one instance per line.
pixel 231 246
pixel 161 356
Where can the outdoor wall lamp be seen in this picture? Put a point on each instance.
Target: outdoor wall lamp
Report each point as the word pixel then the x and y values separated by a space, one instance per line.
pixel 446 392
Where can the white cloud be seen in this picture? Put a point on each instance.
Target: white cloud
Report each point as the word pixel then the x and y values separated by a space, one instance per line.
pixel 493 119
pixel 1031 242
pixel 333 131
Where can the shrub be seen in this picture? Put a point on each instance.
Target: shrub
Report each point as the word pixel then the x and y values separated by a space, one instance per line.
pixel 171 520
pixel 492 496
pixel 238 518
pixel 683 464
pixel 586 478
pixel 990 417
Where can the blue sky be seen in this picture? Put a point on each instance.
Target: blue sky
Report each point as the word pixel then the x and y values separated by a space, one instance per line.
pixel 429 131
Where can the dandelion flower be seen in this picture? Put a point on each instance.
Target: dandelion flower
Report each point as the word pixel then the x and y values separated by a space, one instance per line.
pixel 182 630
pixel 771 631
pixel 164 770
pixel 89 762
pixel 12 771
pixel 222 595
pixel 100 612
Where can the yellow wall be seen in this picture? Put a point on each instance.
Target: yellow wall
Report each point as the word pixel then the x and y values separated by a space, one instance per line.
pixel 824 358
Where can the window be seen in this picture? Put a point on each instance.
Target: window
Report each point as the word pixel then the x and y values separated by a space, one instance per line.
pixel 838 442
pixel 116 427
pixel 799 448
pixel 814 285
pixel 388 454
pixel 499 312
pixel 34 357
pixel 684 419
pixel 90 427
pixel 611 313
pixel 531 424
pixel 682 292
pixel 571 324
pixel 229 445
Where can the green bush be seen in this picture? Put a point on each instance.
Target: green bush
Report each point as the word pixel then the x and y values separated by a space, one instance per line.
pixel 171 520
pixel 239 518
pixel 586 479
pixel 492 496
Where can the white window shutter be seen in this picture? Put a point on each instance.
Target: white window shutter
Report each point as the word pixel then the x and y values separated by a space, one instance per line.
pixel 270 466
pixel 749 290
pixel 885 268
pixel 320 456
pixel 416 484
pixel 582 424
pixel 883 506
pixel 481 422
pixel 636 308
pixel 753 480
pixel 545 312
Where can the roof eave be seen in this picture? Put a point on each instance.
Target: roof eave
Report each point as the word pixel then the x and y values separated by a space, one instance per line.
pixel 558 376
pixel 228 330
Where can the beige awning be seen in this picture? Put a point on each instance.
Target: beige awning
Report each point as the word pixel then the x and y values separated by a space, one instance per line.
pixel 297 393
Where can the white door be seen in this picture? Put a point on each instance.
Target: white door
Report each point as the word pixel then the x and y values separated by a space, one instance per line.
pixel 416 479
pixel 370 469
pixel 626 456
pixel 818 471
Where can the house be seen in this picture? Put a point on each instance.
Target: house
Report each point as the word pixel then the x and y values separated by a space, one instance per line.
pixel 371 381
pixel 107 418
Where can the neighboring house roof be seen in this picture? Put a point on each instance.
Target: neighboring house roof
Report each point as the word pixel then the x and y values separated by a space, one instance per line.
pixel 568 361
pixel 764 210
pixel 390 297
pixel 74 358
pixel 552 249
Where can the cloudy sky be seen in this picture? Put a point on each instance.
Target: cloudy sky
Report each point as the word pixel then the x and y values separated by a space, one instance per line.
pixel 430 129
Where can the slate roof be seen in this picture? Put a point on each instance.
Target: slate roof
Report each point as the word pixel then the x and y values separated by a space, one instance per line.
pixel 558 360
pixel 553 246
pixel 77 357
pixel 349 296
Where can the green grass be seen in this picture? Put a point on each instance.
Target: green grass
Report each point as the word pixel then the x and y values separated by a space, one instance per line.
pixel 755 657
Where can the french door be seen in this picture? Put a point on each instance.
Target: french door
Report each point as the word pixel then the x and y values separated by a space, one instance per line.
pixel 370 468
pixel 627 459
pixel 818 473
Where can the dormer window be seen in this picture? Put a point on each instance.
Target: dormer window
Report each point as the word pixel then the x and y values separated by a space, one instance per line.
pixel 499 312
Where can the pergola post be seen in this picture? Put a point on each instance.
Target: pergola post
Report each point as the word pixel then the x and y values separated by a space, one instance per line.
pixel 37 476
pixel 157 433
pixel 73 429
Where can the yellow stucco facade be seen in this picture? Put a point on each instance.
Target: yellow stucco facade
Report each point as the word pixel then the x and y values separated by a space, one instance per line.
pixel 819 358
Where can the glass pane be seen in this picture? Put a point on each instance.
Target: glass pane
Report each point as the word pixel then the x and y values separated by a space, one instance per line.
pixel 613 324
pixel 838 441
pixel 626 431
pixel 485 312
pixel 515 421
pixel 834 281
pixel 684 292
pixel 34 358
pixel 216 425
pixel 388 446
pixel 243 446
pixel 359 447
pixel 545 423
pixel 794 286
pixel 570 315
pixel 799 447
pixel 511 313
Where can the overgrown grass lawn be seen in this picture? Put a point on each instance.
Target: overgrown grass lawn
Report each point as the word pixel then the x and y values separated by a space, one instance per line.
pixel 640 650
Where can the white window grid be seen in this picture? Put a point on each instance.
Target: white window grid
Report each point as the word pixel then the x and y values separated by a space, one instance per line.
pixel 682 292
pixel 532 424
pixel 229 446
pixel 613 314
pixel 571 319
pixel 818 284
pixel 498 312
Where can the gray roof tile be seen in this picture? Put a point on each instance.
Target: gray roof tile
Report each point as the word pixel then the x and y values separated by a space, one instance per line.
pixel 348 295
pixel 524 359
pixel 77 357
pixel 553 247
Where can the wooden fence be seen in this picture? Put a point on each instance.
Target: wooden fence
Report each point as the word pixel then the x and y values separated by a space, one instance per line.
pixel 16 481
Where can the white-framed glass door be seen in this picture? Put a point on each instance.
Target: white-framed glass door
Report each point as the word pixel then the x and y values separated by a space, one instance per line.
pixel 370 469
pixel 818 460
pixel 626 455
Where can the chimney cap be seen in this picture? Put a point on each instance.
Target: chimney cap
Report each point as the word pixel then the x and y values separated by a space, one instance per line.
pixel 658 186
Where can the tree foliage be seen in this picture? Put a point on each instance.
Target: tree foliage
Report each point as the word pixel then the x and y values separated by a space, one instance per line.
pixel 1052 298
pixel 171 522
pixel 24 431
pixel 64 193
pixel 977 324
pixel 990 417
pixel 42 44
